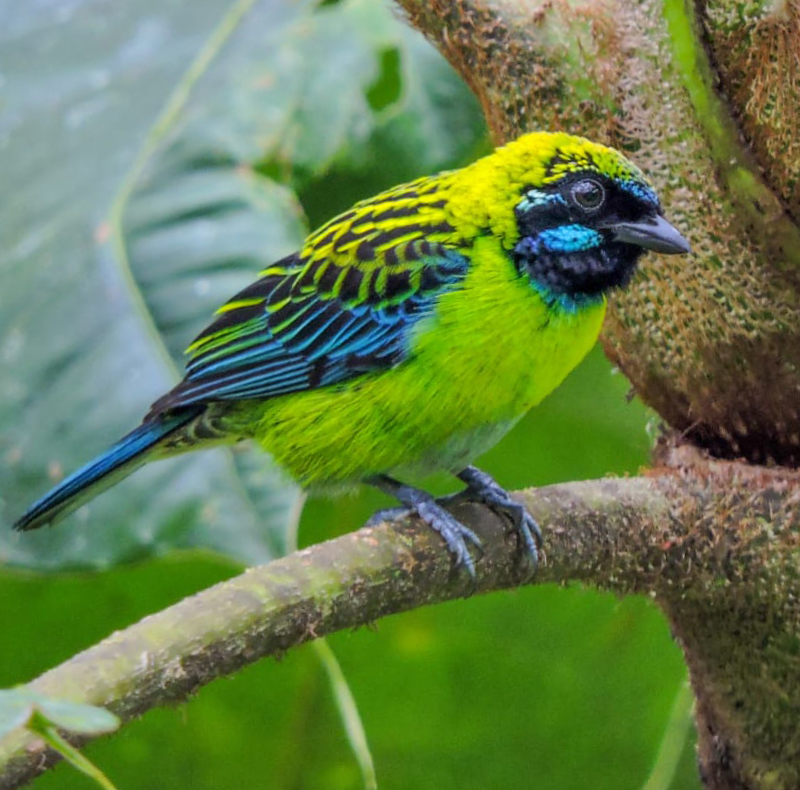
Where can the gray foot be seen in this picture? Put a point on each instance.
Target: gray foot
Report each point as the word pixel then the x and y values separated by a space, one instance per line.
pixel 484 488
pixel 453 532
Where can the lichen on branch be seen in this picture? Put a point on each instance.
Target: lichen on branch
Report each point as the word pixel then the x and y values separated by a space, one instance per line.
pixel 350 581
pixel 656 535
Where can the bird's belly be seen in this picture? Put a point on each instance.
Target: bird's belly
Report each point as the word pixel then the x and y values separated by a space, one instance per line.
pixel 393 423
pixel 457 451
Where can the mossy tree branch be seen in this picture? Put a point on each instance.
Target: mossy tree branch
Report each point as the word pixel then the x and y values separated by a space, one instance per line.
pixel 343 583
pixel 652 535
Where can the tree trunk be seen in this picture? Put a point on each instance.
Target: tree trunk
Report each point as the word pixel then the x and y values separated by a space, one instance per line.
pixel 705 97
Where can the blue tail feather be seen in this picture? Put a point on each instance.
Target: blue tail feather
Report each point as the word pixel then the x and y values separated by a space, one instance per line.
pixel 120 460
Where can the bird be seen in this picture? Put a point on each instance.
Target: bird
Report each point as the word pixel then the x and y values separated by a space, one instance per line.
pixel 410 333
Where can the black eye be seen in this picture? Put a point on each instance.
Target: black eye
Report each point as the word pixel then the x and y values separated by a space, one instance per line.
pixel 588 194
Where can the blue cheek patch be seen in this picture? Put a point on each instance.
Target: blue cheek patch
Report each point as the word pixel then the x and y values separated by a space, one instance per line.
pixel 567 239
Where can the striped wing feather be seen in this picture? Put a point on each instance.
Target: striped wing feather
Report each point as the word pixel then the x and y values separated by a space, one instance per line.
pixel 343 306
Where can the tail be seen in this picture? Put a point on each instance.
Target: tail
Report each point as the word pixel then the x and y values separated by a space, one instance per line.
pixel 116 463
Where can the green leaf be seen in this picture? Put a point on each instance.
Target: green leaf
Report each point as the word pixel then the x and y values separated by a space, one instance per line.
pixel 19 705
pixel 16 709
pixel 87 341
pixel 42 715
pixel 80 719
pixel 54 739
pixel 425 119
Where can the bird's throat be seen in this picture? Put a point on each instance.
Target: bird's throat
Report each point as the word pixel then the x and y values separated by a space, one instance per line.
pixel 573 280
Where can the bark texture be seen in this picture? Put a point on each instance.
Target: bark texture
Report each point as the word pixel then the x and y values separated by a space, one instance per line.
pixel 704 96
pixel 728 591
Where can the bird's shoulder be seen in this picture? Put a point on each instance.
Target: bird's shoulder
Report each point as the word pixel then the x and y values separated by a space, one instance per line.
pixel 375 231
pixel 341 306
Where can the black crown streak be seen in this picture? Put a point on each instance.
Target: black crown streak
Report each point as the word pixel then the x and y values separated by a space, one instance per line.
pixel 578 276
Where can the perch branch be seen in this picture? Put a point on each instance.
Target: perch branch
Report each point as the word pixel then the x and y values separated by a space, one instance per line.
pixel 340 584
pixel 658 535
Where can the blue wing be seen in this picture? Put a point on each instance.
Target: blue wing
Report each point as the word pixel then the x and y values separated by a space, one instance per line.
pixel 314 321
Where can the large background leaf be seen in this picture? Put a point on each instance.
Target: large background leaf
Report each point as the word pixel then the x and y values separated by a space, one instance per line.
pixel 204 217
pixel 553 688
pixel 86 338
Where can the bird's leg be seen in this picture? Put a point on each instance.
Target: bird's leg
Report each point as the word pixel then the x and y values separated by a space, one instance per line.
pixel 484 488
pixel 453 532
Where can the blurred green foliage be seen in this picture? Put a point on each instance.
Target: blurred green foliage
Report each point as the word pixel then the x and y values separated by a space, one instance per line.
pixel 546 687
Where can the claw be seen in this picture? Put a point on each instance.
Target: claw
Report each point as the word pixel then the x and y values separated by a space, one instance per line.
pixel 483 487
pixel 455 535
pixel 453 532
